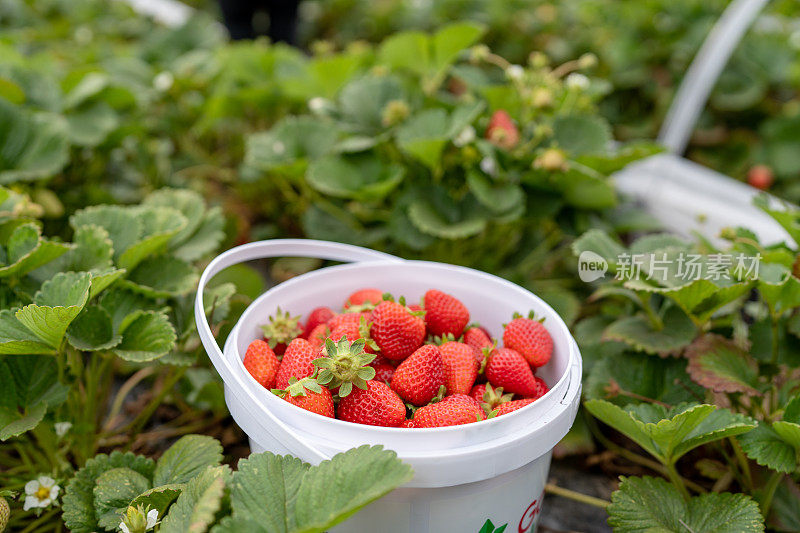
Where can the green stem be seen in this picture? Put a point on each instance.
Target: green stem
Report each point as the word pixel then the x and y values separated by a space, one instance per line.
pixel 744 464
pixel 136 425
pixel 551 488
pixel 775 343
pixel 635 457
pixel 655 320
pixel 677 480
pixel 769 493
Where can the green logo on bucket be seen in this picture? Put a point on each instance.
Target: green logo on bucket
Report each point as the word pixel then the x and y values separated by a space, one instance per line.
pixel 488 527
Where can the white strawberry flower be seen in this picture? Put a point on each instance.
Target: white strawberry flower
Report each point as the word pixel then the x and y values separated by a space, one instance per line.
pixel 318 105
pixel 489 165
pixel 163 81
pixel 515 72
pixel 576 80
pixel 135 521
pixel 62 428
pixel 466 136
pixel 40 492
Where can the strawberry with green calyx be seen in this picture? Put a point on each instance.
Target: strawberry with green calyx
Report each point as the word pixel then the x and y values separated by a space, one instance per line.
pixel 297 362
pixel 396 331
pixel 508 369
pixel 530 338
pixel 318 335
pixel 364 298
pixel 281 329
pixel 261 362
pixel 344 365
pixel 477 339
pixel 444 313
pixel 376 405
pixel 489 397
pixel 307 394
pixel 510 407
pixel 502 132
pixel 453 410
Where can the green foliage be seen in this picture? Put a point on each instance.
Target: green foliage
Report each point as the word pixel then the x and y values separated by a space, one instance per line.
pixel 651 504
pixel 272 493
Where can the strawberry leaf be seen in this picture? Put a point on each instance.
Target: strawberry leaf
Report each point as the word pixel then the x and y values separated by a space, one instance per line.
pixel 599 242
pixel 720 365
pixel 581 134
pixel 198 503
pixel 359 177
pixel 669 434
pixel 652 504
pixel 273 493
pixel 15 338
pixel 78 502
pixel 92 330
pixel 27 251
pixel 14 423
pixel 185 459
pixel 146 335
pixel 114 490
pixel 56 305
pixel 766 447
pixel 638 332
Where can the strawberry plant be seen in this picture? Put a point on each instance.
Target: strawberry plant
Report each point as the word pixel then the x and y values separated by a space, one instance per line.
pixel 187 488
pixel 698 370
pixel 643 50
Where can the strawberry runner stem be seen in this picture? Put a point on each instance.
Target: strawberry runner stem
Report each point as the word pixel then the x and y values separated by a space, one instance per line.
pixel 552 488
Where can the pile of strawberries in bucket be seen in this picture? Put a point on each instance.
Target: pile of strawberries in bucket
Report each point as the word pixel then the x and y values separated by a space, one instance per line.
pixel 384 363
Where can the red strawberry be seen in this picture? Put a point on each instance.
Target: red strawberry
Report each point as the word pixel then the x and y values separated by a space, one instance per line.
pixel 508 369
pixel 407 423
pixel 477 339
pixel 396 331
pixel 501 131
pixel 451 411
pixel 281 329
pixel 460 367
pixel 261 362
pixel 348 318
pixel 309 395
pixel 415 308
pixel 444 314
pixel 509 407
pixel 377 406
pixel 418 379
pixel 760 177
pixel 318 316
pixel 364 296
pixel 297 362
pixel 541 387
pixel 489 397
pixel 383 372
pixel 530 338
pixel 477 392
pixel 317 337
pixel 353 331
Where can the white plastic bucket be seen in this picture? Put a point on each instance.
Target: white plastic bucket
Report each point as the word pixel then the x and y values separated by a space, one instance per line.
pixel 463 475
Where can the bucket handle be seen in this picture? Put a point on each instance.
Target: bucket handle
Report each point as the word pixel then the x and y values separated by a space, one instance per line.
pixel 263 250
